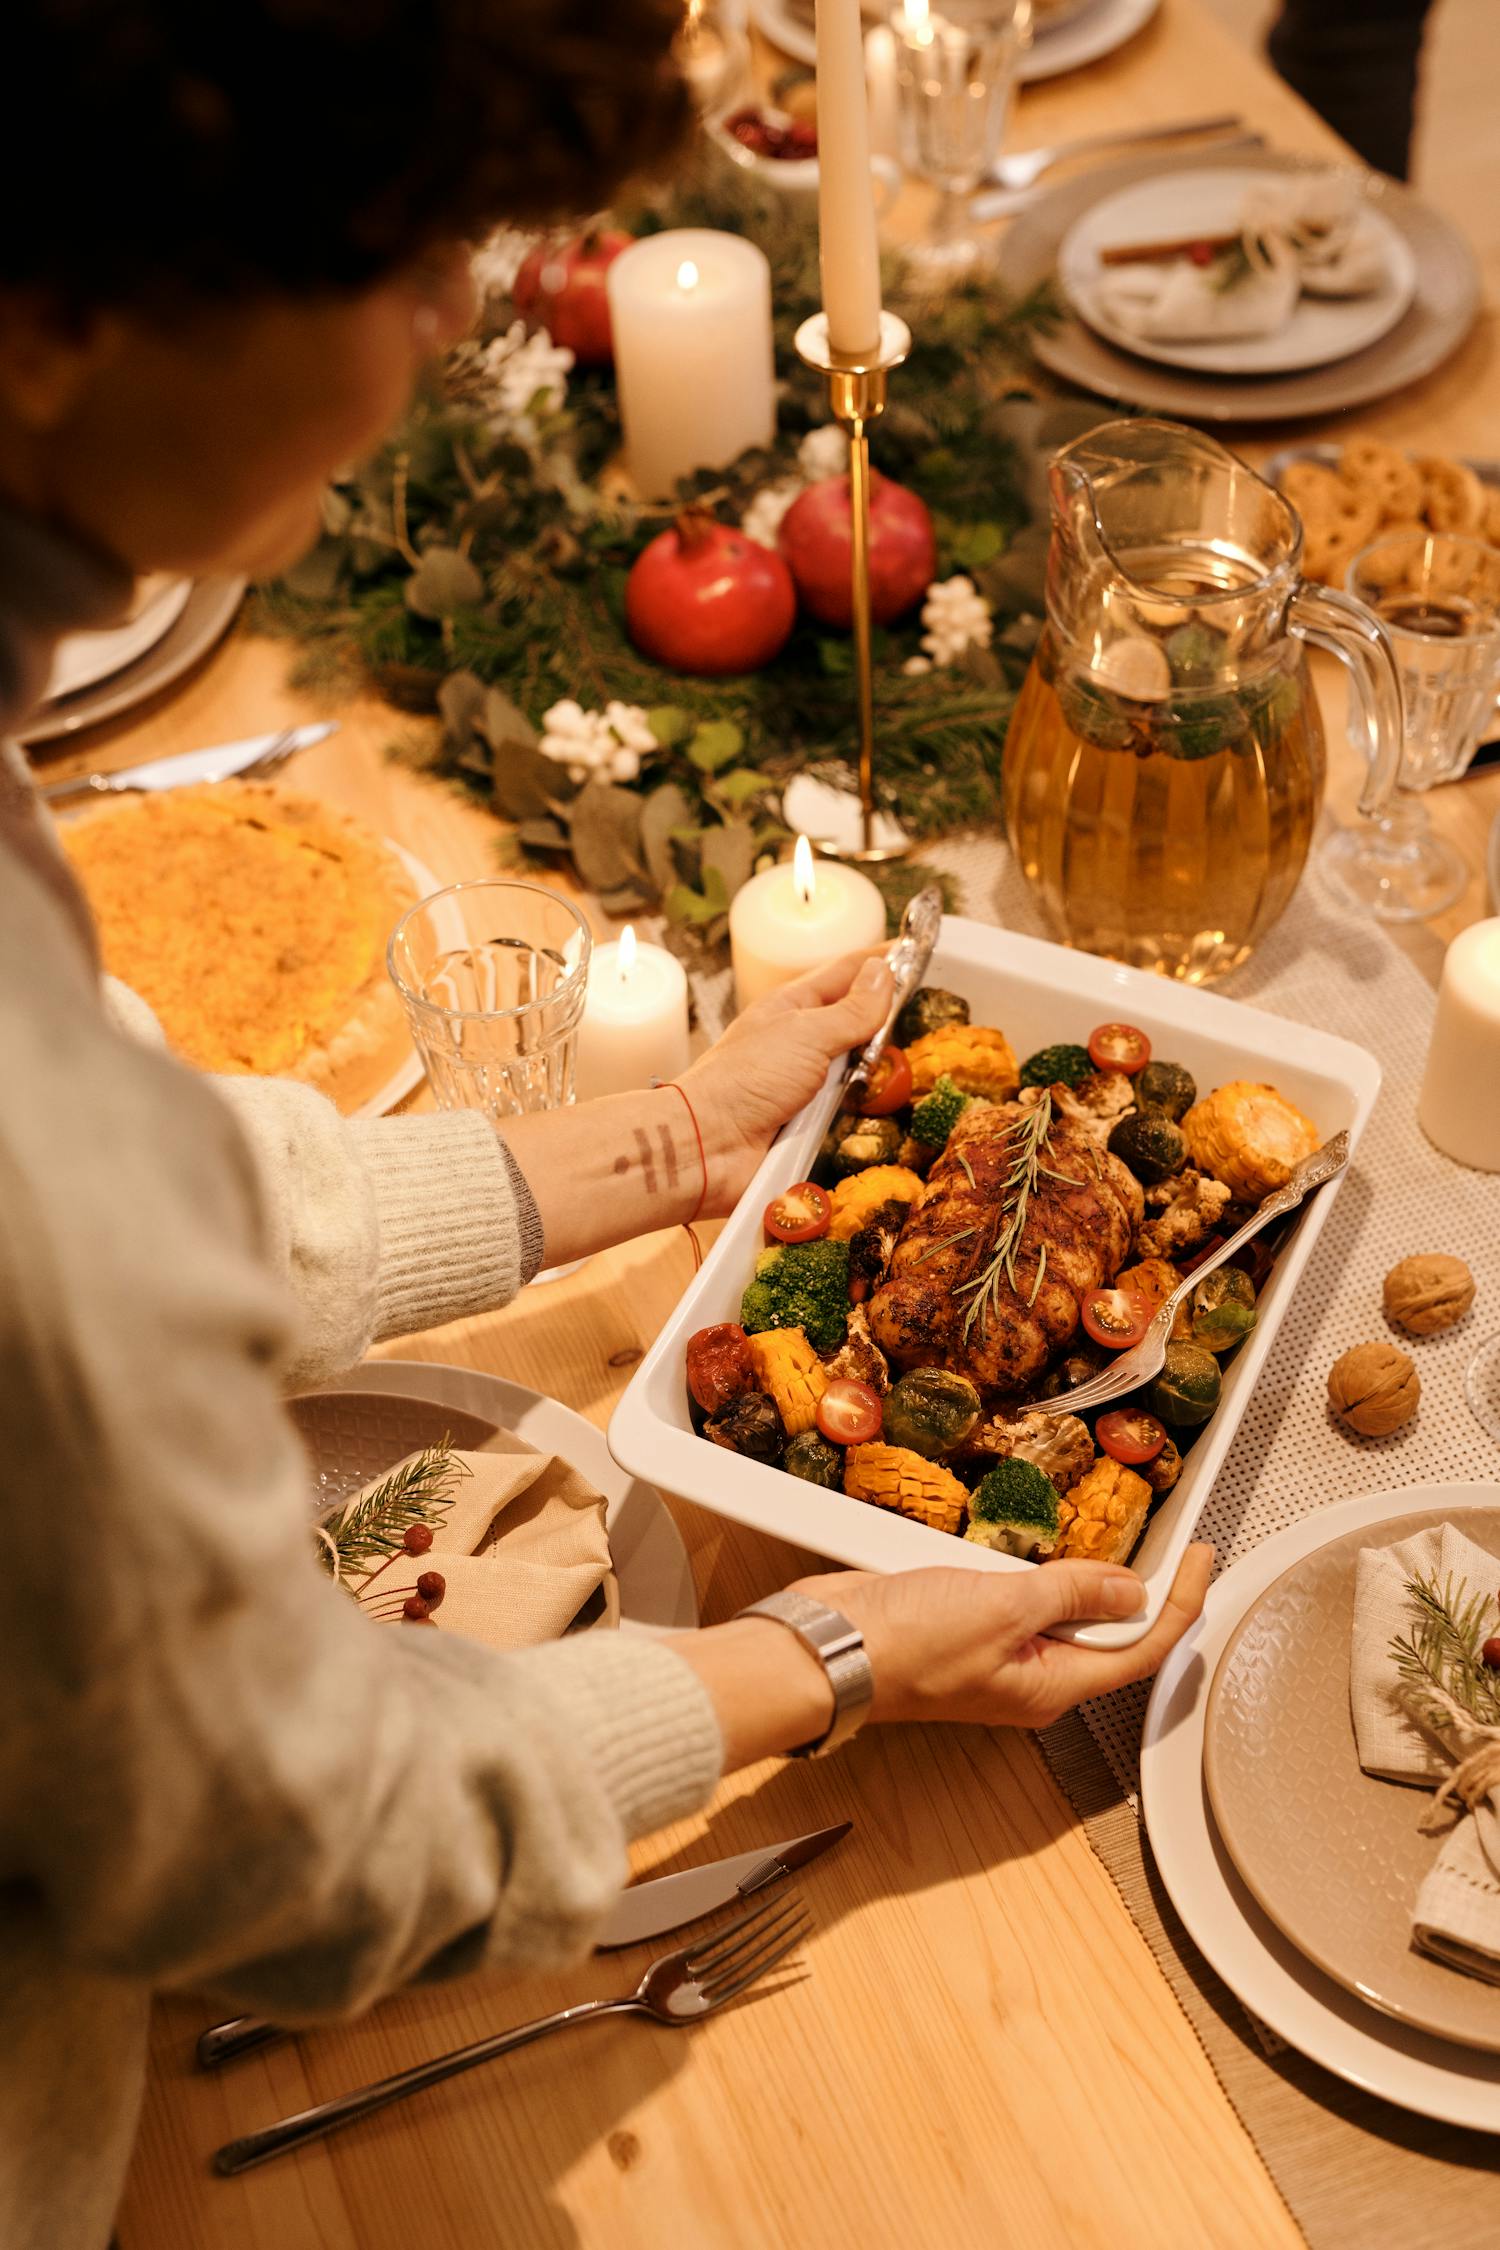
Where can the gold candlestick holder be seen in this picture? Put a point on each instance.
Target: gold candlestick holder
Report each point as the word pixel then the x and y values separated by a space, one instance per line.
pixel 856 395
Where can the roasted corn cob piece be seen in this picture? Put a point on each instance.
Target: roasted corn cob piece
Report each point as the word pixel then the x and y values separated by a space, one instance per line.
pixel 892 1477
pixel 1103 1514
pixel 978 1059
pixel 857 1198
pixel 790 1372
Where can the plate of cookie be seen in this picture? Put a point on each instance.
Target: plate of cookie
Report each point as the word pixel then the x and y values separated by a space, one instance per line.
pixel 1349 494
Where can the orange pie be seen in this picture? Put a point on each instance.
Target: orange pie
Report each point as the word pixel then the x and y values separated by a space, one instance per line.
pixel 254 923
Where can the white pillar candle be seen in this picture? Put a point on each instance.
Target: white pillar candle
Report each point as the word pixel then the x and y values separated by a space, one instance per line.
pixel 795 917
pixel 635 1018
pixel 1459 1106
pixel 848 250
pixel 691 315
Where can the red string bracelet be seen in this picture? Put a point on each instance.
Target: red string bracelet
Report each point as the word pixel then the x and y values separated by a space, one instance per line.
pixel 670 1084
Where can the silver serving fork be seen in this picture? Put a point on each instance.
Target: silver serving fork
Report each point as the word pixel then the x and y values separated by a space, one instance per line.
pixel 907 962
pixel 680 1988
pixel 1145 1359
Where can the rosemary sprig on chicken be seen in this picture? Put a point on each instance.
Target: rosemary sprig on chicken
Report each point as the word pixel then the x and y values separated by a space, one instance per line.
pixel 1029 1133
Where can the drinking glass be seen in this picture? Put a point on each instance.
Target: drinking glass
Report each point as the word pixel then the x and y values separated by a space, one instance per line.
pixel 1438 596
pixel 493 977
pixel 956 66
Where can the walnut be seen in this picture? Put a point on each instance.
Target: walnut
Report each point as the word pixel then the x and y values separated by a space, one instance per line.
pixel 1429 1293
pixel 1374 1388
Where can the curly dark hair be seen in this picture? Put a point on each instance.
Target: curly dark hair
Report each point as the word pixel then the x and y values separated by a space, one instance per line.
pixel 161 150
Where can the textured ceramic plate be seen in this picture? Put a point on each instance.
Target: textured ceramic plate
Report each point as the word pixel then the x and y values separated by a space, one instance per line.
pixel 387 1408
pixel 1320 329
pixel 1434 324
pixel 82 659
pixel 1334 1857
pixel 206 617
pixel 1076 35
pixel 1323 2020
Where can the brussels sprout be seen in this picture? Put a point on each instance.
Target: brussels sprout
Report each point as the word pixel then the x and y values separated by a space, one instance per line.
pixel 1162 1473
pixel 1057 1066
pixel 1150 1143
pixel 812 1458
pixel 1165 1085
pixel 750 1425
pixel 930 1411
pixel 928 1009
pixel 1223 1309
pixel 1081 1366
pixel 1186 1391
pixel 869 1140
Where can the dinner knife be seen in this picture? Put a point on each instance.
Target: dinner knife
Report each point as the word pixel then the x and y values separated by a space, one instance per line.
pixel 216 764
pixel 646 1910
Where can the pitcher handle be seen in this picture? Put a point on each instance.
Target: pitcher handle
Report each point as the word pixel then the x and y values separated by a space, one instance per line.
pixel 1356 636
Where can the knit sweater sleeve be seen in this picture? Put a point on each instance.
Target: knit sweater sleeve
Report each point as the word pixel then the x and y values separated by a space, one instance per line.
pixel 379 1226
pixel 227 1776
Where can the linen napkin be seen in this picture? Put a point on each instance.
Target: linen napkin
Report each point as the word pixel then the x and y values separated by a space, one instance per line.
pixel 1456 1914
pixel 523 1549
pixel 1181 303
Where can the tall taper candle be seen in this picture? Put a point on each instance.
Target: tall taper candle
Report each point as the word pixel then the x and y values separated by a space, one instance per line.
pixel 847 244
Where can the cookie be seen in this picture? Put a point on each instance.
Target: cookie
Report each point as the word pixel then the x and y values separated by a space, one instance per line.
pixel 1390 477
pixel 1334 536
pixel 1453 499
pixel 1312 488
pixel 1490 527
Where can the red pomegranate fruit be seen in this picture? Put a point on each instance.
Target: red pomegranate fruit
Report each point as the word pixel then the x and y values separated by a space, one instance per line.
pixel 816 539
pixel 704 598
pixel 560 285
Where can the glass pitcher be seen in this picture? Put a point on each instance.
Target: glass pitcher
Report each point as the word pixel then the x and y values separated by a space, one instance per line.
pixel 1165 761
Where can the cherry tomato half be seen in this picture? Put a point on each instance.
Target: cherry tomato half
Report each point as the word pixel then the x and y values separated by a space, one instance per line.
pixel 798 1214
pixel 1116 1318
pixel 1119 1046
pixel 849 1413
pixel 1130 1436
pixel 889 1088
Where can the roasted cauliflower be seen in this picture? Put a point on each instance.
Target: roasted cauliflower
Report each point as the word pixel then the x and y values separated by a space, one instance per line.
pixel 1181 1215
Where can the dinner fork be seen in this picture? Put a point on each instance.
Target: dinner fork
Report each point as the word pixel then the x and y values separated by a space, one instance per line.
pixel 1145 1359
pixel 278 749
pixel 680 1988
pixel 1025 166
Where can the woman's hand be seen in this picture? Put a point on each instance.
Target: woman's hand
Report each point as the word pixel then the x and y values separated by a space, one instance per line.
pixel 772 1059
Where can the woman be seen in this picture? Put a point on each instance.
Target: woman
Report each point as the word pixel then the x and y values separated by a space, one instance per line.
pixel 236 238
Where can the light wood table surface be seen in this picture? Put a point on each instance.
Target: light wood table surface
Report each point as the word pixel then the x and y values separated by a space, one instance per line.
pixel 982 2051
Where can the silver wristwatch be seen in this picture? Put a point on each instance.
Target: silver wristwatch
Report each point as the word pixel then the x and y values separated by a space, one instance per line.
pixel 840 1649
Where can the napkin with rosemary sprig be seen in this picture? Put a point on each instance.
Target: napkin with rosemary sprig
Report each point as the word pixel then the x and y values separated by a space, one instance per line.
pixel 505 1545
pixel 1426 1710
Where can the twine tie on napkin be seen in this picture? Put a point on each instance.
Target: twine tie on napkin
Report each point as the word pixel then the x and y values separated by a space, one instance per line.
pixel 1477 1774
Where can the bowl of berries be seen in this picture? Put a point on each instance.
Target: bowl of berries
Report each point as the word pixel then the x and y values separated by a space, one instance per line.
pixel 781 148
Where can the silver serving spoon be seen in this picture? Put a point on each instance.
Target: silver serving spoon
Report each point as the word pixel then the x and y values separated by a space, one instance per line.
pixel 907 960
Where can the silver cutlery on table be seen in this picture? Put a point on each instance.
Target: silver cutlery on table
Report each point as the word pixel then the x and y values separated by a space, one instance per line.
pixel 250 760
pixel 1006 202
pixel 645 1910
pixel 907 959
pixel 1025 167
pixel 679 1989
pixel 1145 1359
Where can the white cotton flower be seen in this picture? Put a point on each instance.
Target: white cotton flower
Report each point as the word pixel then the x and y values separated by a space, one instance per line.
pixel 624 765
pixel 917 665
pixel 762 519
pixel 956 616
pixel 496 262
pixel 611 742
pixel 522 370
pixel 824 452
pixel 632 727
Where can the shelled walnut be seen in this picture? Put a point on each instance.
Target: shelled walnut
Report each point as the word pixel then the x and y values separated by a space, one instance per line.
pixel 1429 1293
pixel 1374 1388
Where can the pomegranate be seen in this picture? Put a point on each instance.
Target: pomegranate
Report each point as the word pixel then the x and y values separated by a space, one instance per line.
pixel 561 286
pixel 816 539
pixel 704 598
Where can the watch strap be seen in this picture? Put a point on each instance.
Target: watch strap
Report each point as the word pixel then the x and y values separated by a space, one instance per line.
pixel 839 1647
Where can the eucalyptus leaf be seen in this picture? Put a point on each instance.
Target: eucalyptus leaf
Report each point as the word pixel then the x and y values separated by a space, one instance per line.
pixel 525 785
pixel 669 723
pixel 739 787
pixel 316 576
pixel 630 898
pixel 504 723
pixel 543 834
pixel 443 583
pixel 606 829
pixel 729 854
pixel 461 700
pixel 717 743
pixel 663 813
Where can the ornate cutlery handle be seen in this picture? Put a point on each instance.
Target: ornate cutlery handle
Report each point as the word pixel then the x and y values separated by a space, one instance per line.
pixel 226 2042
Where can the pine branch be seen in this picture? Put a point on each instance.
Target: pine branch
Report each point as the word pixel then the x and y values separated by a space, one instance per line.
pixel 371 1527
pixel 1442 1651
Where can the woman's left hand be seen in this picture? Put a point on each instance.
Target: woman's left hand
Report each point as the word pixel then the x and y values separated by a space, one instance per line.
pixel 772 1059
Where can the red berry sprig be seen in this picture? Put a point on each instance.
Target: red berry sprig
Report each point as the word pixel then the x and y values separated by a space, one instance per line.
pixel 417 1538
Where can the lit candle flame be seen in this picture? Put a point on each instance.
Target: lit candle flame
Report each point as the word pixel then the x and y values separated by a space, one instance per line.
pixel 625 958
pixel 917 17
pixel 687 275
pixel 803 874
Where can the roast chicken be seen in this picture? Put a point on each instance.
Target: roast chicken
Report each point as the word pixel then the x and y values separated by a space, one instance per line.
pixel 1085 1218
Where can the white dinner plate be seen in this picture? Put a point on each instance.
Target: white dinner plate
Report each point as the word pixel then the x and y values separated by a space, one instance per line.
pixel 651 1564
pixel 82 660
pixel 1081 35
pixel 1459 2085
pixel 1208 202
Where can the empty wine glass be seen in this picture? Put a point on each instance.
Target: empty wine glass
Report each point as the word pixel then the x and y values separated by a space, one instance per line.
pixel 956 67
pixel 1438 598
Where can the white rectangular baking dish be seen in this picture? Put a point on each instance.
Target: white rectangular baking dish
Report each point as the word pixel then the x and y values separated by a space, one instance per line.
pixel 1036 993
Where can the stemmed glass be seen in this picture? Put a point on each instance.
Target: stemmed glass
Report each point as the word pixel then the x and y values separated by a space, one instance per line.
pixel 1438 598
pixel 956 67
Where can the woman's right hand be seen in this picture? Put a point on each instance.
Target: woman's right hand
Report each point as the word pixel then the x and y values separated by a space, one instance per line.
pixel 971 1645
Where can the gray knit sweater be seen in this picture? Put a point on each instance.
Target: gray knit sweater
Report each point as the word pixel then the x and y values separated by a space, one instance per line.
pixel 214 1773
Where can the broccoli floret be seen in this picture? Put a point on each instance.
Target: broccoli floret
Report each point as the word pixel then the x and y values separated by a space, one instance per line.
pixel 1014 1508
pixel 801 1285
pixel 937 1113
pixel 1057 1066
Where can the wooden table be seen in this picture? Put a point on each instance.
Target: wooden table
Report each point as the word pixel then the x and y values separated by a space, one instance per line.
pixel 983 2051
